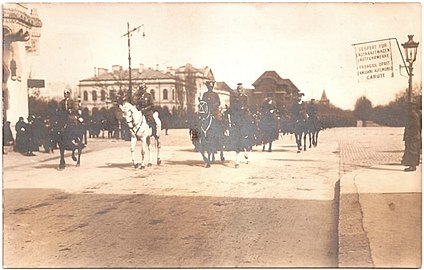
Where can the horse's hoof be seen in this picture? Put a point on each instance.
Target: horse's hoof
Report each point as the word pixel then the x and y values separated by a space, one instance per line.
pixel 246 157
pixel 298 151
pixel 149 164
pixel 136 166
pixel 270 150
pixel 222 159
pixel 142 167
pixel 74 159
pixel 61 166
pixel 236 166
pixel 247 161
pixel 77 165
pixel 159 161
pixel 208 165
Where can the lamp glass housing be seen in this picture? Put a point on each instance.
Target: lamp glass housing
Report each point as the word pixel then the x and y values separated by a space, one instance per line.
pixel 410 49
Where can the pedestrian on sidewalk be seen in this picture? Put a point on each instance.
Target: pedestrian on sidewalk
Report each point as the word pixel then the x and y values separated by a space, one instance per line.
pixel 412 138
pixel 7 135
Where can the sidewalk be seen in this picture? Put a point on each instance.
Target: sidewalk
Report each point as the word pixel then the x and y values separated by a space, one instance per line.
pixel 380 218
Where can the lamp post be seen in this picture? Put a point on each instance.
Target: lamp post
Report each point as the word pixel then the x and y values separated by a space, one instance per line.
pixel 128 34
pixel 411 55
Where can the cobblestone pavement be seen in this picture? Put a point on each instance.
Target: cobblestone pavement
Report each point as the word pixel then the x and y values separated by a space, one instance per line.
pixel 366 147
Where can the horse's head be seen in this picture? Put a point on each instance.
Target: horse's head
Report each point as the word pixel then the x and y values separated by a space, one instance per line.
pixel 127 109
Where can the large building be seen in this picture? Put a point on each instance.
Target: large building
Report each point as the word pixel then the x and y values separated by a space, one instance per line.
pixel 270 84
pixel 21 33
pixel 177 89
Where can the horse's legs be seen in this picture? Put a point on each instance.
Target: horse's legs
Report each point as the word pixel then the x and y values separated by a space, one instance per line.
pixel 263 147
pixel 311 138
pixel 316 138
pixel 133 144
pixel 247 154
pixel 143 151
pixel 298 141
pixel 149 149
pixel 158 150
pixel 62 156
pixel 79 145
pixel 211 156
pixel 270 146
pixel 237 159
pixel 304 140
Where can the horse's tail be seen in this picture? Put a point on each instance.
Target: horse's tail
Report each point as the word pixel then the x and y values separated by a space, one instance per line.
pixel 158 121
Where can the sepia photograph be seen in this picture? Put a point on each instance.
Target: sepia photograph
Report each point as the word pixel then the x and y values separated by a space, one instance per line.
pixel 212 135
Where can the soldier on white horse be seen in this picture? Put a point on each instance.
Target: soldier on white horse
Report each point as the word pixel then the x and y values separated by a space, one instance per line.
pixel 143 125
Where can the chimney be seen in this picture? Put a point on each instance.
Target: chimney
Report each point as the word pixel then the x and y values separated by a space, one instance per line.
pixel 141 68
pixel 101 71
pixel 116 68
pixel 170 70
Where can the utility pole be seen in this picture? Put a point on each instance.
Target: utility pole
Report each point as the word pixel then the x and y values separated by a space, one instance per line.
pixel 128 34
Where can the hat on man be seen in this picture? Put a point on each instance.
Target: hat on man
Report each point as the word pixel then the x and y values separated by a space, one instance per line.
pixel 210 83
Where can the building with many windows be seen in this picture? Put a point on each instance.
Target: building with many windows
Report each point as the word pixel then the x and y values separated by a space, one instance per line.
pixel 176 89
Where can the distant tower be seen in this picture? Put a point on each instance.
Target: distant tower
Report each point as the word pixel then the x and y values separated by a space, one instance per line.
pixel 324 99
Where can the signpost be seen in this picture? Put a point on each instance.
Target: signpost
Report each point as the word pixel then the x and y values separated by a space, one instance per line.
pixel 374 60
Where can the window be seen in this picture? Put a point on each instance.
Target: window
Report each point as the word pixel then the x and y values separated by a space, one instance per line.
pixel 94 95
pixel 152 92
pixel 103 95
pixel 173 94
pixel 85 95
pixel 112 94
pixel 165 94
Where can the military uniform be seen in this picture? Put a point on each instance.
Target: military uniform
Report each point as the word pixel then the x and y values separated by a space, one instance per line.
pixel 145 104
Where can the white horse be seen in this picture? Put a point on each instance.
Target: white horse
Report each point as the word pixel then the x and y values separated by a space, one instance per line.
pixel 139 129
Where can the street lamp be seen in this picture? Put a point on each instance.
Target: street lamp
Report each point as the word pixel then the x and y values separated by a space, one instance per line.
pixel 128 34
pixel 411 55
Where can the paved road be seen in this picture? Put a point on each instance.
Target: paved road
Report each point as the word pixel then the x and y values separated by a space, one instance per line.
pixel 279 211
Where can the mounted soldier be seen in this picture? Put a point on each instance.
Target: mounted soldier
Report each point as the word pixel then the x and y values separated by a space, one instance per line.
pixel 145 104
pixel 212 99
pixel 67 108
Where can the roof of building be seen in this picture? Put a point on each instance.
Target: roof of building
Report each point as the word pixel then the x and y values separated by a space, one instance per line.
pixel 271 74
pixel 135 75
pixel 206 71
pixel 324 96
pixel 223 86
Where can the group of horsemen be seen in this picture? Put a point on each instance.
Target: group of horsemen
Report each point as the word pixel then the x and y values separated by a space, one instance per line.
pixel 237 117
pixel 253 127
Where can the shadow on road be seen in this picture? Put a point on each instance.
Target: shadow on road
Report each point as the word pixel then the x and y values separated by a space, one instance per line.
pixel 194 163
pixel 124 166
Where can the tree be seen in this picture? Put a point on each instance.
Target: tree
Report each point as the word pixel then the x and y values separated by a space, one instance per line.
pixel 363 110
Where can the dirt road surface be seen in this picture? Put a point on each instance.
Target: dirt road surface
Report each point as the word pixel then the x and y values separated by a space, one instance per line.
pixel 278 211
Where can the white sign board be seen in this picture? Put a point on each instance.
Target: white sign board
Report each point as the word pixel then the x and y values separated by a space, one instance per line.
pixel 374 60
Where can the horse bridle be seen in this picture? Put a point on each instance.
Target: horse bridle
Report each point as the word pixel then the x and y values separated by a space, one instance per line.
pixel 133 123
pixel 204 109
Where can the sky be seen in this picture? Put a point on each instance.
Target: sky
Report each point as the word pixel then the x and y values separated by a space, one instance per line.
pixel 308 43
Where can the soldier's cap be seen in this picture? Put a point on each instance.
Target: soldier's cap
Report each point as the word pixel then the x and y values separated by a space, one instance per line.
pixel 210 83
pixel 67 91
pixel 142 85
